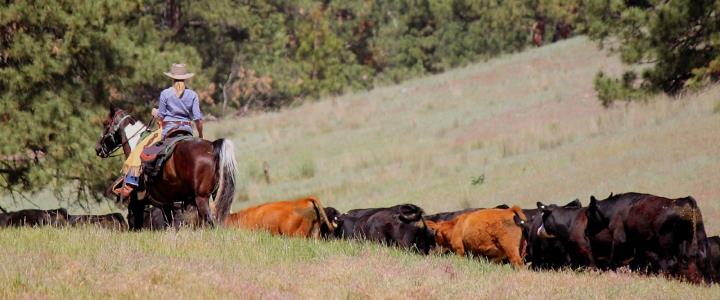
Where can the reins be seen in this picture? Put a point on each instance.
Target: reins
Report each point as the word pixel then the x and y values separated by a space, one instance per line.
pixel 116 127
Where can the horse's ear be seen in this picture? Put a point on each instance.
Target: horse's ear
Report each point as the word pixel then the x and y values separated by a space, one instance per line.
pixel 112 111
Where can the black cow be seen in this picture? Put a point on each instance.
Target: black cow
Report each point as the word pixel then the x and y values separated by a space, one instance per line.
pixel 334 216
pixel 713 256
pixel 564 231
pixel 114 221
pixel 401 225
pixel 155 219
pixel 544 252
pixel 447 216
pixel 653 234
pixel 34 217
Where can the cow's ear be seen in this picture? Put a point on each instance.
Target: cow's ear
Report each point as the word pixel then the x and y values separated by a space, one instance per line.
pixel 540 205
pixel 520 222
pixel 611 195
pixel 592 207
pixel 593 213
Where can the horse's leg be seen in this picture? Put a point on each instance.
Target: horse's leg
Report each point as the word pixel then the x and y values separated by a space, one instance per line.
pixel 138 212
pixel 203 207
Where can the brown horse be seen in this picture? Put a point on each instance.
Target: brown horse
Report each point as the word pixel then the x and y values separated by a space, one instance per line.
pixel 196 170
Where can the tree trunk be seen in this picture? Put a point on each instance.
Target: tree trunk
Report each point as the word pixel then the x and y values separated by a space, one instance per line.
pixel 173 13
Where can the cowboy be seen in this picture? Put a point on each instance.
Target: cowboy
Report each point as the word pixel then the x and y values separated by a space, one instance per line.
pixel 178 106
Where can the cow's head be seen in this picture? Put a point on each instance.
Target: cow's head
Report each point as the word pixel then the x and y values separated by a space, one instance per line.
pixel 555 219
pixel 596 218
pixel 442 231
pixel 412 216
pixel 425 239
pixel 545 212
pixel 333 216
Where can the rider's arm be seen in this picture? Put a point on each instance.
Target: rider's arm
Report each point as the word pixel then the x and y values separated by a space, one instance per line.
pixel 162 107
pixel 197 116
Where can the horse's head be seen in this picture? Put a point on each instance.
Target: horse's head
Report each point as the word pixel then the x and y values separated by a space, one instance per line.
pixel 111 137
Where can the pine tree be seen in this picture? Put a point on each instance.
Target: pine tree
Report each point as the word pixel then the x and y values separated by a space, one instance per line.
pixel 62 64
pixel 673 45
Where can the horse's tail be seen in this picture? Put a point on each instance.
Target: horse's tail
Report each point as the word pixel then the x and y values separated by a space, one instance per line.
pixel 226 168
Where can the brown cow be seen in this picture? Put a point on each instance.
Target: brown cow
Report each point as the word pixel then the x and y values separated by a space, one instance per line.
pixel 494 233
pixel 302 217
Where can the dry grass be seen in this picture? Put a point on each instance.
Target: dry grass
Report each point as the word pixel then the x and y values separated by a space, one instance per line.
pixel 91 264
pixel 530 124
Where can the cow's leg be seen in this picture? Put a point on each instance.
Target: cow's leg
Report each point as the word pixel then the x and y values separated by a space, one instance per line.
pixel 138 212
pixel 618 242
pixel 584 253
pixel 203 207
pixel 511 248
pixel 458 246
pixel 178 217
pixel 168 216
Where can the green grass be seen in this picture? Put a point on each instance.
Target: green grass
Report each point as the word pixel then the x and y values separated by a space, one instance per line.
pixel 530 124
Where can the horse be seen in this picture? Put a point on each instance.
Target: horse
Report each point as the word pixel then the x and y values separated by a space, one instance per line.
pixel 196 170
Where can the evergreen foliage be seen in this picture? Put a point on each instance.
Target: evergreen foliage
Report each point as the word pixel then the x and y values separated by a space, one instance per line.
pixel 64 62
pixel 673 45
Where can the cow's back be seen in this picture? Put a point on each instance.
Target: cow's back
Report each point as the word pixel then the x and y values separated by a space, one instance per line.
pixel 37 217
pixel 353 223
pixel 293 218
pixel 400 225
pixel 491 232
pixel 495 222
pixel 109 221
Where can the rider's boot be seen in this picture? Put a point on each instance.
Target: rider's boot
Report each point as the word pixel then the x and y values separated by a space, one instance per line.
pixel 131 182
pixel 124 191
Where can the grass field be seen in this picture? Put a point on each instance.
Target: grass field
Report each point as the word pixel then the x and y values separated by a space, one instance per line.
pixel 516 130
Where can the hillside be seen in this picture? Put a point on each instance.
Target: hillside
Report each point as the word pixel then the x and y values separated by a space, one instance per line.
pixel 524 128
pixel 529 123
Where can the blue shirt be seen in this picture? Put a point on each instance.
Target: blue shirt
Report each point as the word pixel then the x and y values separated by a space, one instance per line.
pixel 185 108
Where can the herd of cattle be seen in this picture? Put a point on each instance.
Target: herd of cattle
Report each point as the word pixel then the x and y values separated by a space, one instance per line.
pixel 641 232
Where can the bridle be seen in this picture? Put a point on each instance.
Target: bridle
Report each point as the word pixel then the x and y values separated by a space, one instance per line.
pixel 110 142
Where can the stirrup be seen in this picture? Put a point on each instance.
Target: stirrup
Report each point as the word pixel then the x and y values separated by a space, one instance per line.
pixel 114 186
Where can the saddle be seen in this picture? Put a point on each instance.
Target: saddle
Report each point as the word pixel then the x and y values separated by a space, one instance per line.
pixel 154 156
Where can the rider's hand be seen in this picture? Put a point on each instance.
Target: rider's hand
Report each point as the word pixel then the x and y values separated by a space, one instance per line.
pixel 155 112
pixel 199 127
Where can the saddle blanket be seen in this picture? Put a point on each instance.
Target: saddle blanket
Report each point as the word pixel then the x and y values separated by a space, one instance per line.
pixel 153 157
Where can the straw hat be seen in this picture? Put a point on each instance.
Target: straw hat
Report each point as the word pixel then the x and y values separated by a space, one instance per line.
pixel 178 72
